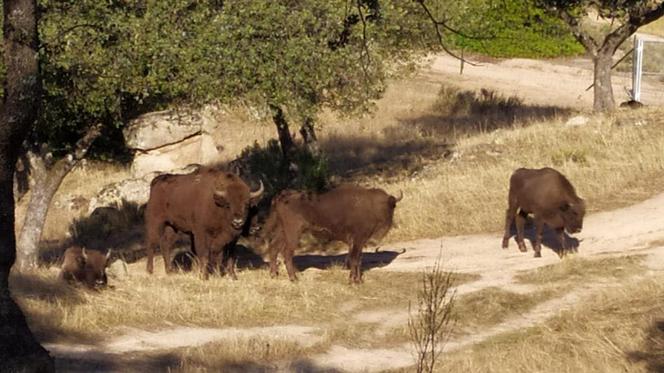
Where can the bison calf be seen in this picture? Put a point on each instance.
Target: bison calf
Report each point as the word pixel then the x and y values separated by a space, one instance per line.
pixel 348 213
pixel 550 198
pixel 85 266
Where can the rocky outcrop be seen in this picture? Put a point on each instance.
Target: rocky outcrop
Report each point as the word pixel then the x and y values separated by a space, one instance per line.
pixel 131 190
pixel 167 140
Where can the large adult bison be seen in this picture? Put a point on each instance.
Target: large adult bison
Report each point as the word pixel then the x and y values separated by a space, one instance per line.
pixel 209 204
pixel 348 213
pixel 85 266
pixel 551 198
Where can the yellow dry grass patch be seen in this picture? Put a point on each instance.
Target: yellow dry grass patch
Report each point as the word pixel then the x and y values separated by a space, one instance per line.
pixel 321 298
pixel 453 171
pixel 618 330
pixel 575 270
pixel 610 165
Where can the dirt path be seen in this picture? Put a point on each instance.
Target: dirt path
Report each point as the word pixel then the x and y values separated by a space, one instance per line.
pixel 559 82
pixel 638 229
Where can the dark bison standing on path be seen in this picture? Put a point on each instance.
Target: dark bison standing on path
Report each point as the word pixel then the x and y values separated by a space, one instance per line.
pixel 209 204
pixel 85 266
pixel 348 213
pixel 551 198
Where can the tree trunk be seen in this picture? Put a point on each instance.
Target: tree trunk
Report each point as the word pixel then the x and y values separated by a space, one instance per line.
pixel 19 350
pixel 308 133
pixel 285 138
pixel 603 90
pixel 47 182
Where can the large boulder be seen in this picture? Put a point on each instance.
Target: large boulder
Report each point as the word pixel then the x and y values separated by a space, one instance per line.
pixel 131 190
pixel 167 140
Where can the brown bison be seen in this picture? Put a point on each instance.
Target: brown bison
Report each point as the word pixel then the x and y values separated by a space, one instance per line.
pixel 85 266
pixel 348 213
pixel 209 204
pixel 551 198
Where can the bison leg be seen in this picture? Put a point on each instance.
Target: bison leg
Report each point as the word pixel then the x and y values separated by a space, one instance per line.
pixel 291 236
pixel 509 218
pixel 520 223
pixel 152 237
pixel 563 242
pixel 355 256
pixel 229 258
pixel 537 245
pixel 276 245
pixel 166 244
pixel 203 252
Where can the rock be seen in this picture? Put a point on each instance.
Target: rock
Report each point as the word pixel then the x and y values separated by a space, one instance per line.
pixel 632 104
pixel 118 270
pixel 199 149
pixel 131 190
pixel 167 140
pixel 578 120
pixel 154 130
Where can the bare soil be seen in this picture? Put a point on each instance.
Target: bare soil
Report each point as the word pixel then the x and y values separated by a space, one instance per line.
pixel 636 229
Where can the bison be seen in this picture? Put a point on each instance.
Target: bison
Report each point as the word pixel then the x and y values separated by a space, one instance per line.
pixel 208 204
pixel 85 266
pixel 348 213
pixel 551 198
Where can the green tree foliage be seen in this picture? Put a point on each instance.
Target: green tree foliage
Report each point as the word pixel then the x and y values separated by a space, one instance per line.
pixel 513 28
pixel 109 61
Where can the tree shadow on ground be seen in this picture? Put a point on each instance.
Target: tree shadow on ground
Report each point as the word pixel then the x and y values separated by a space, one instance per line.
pixel 652 353
pixel 458 113
pixel 27 286
pixel 549 239
pixel 118 227
pixel 150 362
pixel 369 260
pixel 395 154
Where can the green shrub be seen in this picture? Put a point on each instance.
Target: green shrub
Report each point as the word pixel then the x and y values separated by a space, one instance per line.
pixel 305 172
pixel 514 28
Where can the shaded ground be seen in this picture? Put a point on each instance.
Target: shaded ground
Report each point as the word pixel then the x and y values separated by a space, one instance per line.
pixel 636 229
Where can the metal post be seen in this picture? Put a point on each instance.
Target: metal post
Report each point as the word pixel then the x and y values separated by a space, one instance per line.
pixel 637 68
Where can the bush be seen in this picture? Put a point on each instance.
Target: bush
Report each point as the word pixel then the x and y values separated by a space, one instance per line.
pixel 305 172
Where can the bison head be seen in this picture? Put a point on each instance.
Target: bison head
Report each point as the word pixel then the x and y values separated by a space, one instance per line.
pixel 237 198
pixel 573 214
pixel 93 266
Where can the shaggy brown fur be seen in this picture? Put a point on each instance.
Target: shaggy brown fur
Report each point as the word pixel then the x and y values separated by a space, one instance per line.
pixel 551 198
pixel 348 213
pixel 209 204
pixel 85 266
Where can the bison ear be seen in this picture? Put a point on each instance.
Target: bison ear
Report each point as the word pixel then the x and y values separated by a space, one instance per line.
pixel 564 207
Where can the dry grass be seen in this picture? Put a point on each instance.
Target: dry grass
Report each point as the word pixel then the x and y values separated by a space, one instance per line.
pixel 321 297
pixel 492 306
pixel 654 28
pixel 618 330
pixel 611 166
pixel 452 152
pixel 574 270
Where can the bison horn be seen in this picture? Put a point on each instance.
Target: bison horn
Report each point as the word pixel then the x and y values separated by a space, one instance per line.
pixel 85 255
pixel 220 193
pixel 257 193
pixel 108 254
pixel 400 196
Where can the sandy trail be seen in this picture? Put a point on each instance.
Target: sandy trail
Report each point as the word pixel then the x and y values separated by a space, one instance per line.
pixel 635 229
pixel 558 82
